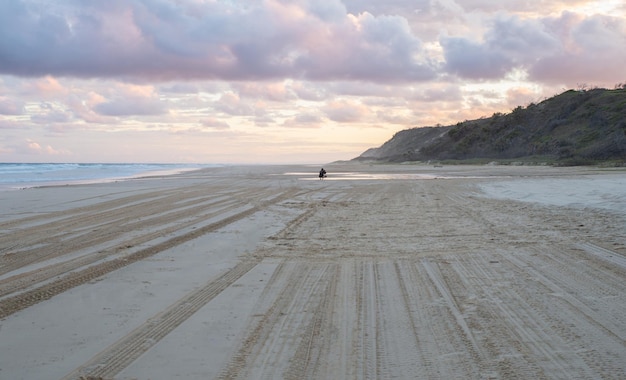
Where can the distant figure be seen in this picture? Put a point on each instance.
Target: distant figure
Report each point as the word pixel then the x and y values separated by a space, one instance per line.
pixel 322 173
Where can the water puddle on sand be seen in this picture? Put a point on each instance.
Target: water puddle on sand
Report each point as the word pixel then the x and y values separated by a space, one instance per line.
pixel 355 176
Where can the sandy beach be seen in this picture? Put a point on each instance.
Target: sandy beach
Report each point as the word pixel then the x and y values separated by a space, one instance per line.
pixel 377 272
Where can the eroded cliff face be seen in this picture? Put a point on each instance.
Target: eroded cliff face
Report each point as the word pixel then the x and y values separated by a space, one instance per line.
pixel 406 143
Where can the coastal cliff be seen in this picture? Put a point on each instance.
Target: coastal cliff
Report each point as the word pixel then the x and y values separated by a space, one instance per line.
pixel 572 128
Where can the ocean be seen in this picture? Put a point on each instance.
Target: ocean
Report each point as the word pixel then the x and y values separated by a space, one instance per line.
pixel 24 175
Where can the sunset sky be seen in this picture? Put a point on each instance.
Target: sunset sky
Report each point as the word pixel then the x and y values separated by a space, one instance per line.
pixel 302 81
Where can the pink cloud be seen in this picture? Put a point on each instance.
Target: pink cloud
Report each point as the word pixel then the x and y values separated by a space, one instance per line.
pixel 9 124
pixel 33 147
pixel 127 100
pixel 307 91
pixel 51 116
pixel 554 50
pixel 231 104
pixel 11 107
pixel 214 123
pixel 81 105
pixel 131 106
pixel 304 120
pixel 593 52
pixel 46 87
pixel 212 40
pixel 277 91
pixel 343 111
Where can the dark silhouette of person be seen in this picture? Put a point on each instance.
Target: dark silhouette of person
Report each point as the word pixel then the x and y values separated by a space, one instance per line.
pixel 322 173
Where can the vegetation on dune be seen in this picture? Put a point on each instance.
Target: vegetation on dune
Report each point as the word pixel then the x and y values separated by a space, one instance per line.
pixel 577 127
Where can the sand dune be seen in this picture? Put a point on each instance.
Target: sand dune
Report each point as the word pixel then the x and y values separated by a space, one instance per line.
pixel 267 272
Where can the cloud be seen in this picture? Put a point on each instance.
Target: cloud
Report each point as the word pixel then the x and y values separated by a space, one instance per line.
pixel 439 93
pixel 131 106
pixel 308 91
pixel 353 40
pixel 9 124
pixel 264 120
pixel 51 116
pixel 81 105
pixel 344 111
pixel 32 147
pixel 551 49
pixel 520 96
pixel 304 120
pixel 510 42
pixel 11 107
pixel 129 100
pixel 469 59
pixel 157 39
pixel 231 104
pixel 378 7
pixel 261 90
pixel 180 88
pixel 288 71
pixel 395 118
pixel 592 50
pixel 46 87
pixel 365 47
pixel 213 123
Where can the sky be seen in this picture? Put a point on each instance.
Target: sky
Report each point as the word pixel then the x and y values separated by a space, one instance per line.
pixel 281 82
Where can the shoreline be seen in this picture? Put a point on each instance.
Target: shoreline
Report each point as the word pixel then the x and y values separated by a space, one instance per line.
pixel 37 183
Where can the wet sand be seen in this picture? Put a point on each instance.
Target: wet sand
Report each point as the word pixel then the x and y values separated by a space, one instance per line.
pixel 393 271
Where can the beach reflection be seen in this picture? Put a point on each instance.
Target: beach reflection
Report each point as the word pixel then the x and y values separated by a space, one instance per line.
pixel 355 176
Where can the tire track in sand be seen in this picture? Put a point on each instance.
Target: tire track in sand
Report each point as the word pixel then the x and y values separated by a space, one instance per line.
pixel 103 228
pixel 316 337
pixel 24 280
pixel 607 255
pixel 284 341
pixel 118 356
pixel 568 304
pixel 13 304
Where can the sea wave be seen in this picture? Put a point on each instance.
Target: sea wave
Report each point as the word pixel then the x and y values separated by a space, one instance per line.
pixel 20 175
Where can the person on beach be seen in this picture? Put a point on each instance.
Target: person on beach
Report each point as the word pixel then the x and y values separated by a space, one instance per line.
pixel 322 173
